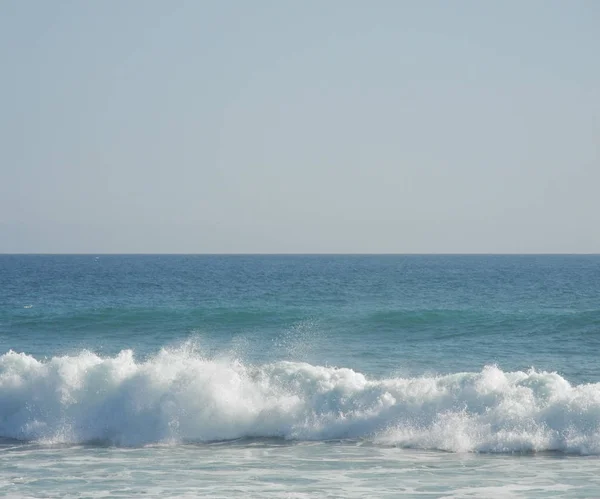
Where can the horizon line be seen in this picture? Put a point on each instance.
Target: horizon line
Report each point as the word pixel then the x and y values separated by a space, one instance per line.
pixel 483 253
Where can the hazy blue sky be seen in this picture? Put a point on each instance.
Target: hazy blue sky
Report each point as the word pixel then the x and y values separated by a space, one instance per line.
pixel 299 126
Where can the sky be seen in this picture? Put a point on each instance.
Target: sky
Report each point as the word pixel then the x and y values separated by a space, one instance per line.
pixel 147 126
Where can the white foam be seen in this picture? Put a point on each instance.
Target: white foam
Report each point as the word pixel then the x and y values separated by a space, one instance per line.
pixel 180 396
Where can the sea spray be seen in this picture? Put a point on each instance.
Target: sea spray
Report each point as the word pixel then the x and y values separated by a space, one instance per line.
pixel 181 396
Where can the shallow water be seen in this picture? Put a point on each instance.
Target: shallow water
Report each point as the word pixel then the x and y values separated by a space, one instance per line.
pixel 274 469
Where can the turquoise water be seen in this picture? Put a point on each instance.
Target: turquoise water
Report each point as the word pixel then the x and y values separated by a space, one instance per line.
pixel 341 376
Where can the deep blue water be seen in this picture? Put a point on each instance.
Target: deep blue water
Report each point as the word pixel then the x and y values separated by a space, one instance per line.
pixel 377 314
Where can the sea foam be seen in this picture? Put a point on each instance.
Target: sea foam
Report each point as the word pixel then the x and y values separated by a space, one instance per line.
pixel 180 396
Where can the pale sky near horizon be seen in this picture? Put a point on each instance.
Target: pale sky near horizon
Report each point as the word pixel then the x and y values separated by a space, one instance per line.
pixel 300 126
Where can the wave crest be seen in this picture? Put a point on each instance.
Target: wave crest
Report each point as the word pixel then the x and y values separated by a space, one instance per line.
pixel 181 396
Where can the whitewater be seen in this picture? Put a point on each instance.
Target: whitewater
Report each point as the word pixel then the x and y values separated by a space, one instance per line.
pixel 179 396
pixel 299 376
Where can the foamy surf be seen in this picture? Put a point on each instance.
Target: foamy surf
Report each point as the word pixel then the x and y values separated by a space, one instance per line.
pixel 180 396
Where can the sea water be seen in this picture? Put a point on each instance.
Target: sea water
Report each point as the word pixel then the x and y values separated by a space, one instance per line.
pixel 299 376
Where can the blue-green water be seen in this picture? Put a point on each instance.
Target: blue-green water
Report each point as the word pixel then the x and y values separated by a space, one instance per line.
pixel 436 376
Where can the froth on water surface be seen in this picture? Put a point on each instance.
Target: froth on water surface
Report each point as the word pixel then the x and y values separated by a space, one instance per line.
pixel 263 468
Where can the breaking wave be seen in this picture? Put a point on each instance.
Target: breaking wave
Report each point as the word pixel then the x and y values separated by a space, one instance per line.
pixel 181 396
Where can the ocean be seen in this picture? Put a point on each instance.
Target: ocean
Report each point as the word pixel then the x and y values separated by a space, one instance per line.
pixel 300 376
